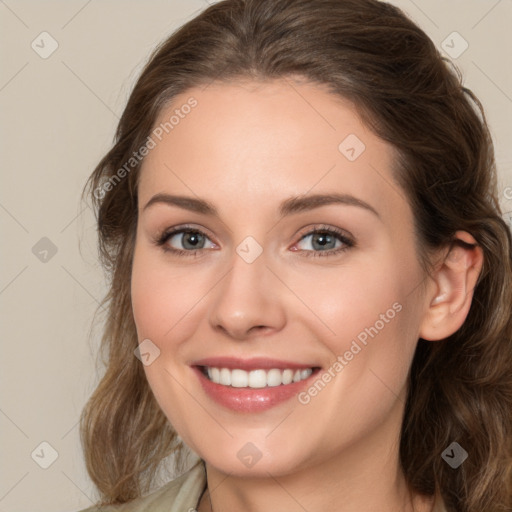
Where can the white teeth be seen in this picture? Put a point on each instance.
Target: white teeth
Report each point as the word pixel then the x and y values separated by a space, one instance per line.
pixel 288 376
pixel 214 374
pixel 256 378
pixel 225 377
pixel 304 374
pixel 274 377
pixel 239 378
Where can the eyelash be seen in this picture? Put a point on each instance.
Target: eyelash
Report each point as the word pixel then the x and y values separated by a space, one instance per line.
pixel 348 243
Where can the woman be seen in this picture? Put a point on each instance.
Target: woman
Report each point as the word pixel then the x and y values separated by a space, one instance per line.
pixel 310 276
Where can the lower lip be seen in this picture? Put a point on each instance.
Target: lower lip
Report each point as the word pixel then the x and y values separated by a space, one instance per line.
pixel 251 399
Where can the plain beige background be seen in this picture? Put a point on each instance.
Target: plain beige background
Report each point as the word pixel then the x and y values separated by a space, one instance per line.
pixel 58 118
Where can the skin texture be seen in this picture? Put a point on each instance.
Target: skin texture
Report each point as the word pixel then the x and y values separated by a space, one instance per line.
pixel 246 147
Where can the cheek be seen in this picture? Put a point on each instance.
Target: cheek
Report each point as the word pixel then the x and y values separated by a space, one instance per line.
pixel 352 299
pixel 161 299
pixel 372 314
pixel 375 323
pixel 162 296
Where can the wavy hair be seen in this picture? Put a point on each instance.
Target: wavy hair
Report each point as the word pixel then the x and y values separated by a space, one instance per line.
pixel 372 54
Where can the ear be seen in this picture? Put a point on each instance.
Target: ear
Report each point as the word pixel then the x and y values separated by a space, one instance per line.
pixel 453 281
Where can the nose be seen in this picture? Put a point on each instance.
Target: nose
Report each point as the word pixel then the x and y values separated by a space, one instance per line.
pixel 248 301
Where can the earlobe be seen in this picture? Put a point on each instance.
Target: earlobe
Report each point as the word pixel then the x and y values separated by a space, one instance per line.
pixel 449 300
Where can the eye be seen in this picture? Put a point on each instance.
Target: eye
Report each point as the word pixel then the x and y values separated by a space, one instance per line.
pixel 191 239
pixel 324 241
pixel 321 241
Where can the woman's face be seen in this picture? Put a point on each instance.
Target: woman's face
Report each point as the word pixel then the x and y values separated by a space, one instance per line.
pixel 256 298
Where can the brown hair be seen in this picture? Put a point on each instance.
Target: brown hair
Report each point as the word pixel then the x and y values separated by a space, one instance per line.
pixel 369 52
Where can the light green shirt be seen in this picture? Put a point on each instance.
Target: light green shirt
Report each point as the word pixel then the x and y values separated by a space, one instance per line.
pixel 180 495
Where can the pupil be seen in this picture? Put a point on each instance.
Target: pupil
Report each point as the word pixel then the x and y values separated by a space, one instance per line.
pixel 323 239
pixel 194 241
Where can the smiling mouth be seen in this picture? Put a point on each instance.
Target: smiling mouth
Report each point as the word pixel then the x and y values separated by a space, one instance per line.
pixel 256 379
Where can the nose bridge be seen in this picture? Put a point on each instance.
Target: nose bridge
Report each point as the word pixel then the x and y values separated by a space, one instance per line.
pixel 249 267
pixel 244 299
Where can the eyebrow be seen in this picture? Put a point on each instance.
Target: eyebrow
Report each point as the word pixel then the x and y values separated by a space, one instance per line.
pixel 289 206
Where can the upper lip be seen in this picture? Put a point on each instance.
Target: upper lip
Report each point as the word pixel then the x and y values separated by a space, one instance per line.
pixel 255 363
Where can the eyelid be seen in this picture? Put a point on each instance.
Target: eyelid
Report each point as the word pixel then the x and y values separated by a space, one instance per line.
pixel 182 228
pixel 163 236
pixel 322 228
pixel 346 238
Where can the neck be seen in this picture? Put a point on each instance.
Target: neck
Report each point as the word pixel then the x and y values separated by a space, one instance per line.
pixel 365 476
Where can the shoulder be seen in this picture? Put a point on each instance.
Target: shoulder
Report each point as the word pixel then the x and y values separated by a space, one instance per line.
pixel 181 494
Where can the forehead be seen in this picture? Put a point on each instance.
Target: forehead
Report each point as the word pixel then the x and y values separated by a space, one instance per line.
pixel 259 141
